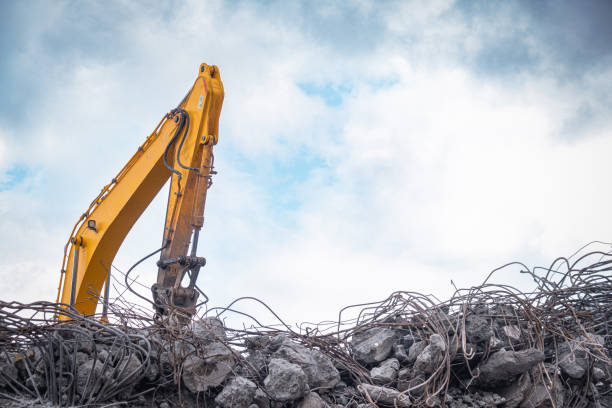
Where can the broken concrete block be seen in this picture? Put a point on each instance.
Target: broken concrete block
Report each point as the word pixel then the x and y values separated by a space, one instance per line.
pixel 199 374
pixel 36 381
pixel 384 395
pixel 88 376
pixel 208 330
pixel 129 367
pixel 430 358
pixel 257 360
pixel 503 366
pixel 546 394
pixel 573 360
pixel 404 375
pixel 261 399
pixel 318 367
pixel 237 393
pixel 515 392
pixel 312 400
pixel 416 349
pixel 275 342
pixel 598 374
pixel 285 381
pixel 512 332
pixel 9 374
pixel 477 329
pixel 386 372
pixel 399 352
pixel 373 345
pixel 413 382
pixel 437 341
pixel 407 341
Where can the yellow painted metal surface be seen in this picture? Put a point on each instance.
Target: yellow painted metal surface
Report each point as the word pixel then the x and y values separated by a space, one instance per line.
pixel 122 201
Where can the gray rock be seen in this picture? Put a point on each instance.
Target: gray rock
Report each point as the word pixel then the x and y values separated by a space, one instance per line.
pixel 261 400
pixel 285 381
pixel 275 342
pixel 413 382
pixel 416 349
pixel 386 372
pixel 384 395
pixel 503 366
pixel 208 330
pixel 515 392
pixel 512 332
pixel 36 381
pixel 84 342
pixel 573 360
pixel 593 340
pixel 540 395
pixel 256 342
pixel 407 341
pixel 81 358
pixel 428 361
pixel 166 364
pixel 9 372
pixel 103 355
pixel 319 368
pixel 437 341
pixel 152 370
pixel 183 348
pixel 90 375
pixel 477 329
pixel 598 374
pixel 399 352
pixel 257 359
pixel 495 343
pixel 312 400
pixel 403 378
pixel 199 374
pixel 238 393
pixel 128 368
pixel 373 345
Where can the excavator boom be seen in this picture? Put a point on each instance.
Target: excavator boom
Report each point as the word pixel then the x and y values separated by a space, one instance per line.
pixel 180 148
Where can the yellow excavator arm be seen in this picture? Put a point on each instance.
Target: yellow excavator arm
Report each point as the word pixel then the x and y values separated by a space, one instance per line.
pixel 180 148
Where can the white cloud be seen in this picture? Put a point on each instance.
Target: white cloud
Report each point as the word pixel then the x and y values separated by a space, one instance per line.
pixel 441 175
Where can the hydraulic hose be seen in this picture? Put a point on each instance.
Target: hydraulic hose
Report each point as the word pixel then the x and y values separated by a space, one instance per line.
pixel 174 137
pixel 178 153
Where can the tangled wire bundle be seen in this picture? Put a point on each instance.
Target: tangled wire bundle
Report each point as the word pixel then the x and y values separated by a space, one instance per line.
pixel 443 349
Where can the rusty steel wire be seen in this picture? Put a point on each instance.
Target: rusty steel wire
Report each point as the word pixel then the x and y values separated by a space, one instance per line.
pixel 571 302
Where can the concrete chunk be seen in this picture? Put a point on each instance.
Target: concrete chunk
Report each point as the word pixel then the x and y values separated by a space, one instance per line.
pixel 208 330
pixel 503 366
pixel 416 349
pixel 384 395
pixel 477 329
pixel 312 400
pixel 573 360
pixel 429 360
pixel 317 366
pixel 386 372
pixel 238 393
pixel 199 374
pixel 373 345
pixel 285 381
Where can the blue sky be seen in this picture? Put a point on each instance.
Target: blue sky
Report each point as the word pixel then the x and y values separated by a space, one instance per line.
pixel 365 146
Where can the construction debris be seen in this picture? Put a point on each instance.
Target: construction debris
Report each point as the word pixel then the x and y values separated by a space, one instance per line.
pixel 487 346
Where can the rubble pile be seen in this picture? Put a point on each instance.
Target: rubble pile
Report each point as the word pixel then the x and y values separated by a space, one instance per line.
pixel 487 346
